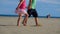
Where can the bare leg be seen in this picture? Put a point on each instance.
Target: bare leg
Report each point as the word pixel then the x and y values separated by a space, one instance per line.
pixel 18 24
pixel 36 20
pixel 25 20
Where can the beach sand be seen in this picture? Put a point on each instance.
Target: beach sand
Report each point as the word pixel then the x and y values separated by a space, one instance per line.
pixel 48 26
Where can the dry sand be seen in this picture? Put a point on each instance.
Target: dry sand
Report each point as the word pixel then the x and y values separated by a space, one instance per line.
pixel 49 26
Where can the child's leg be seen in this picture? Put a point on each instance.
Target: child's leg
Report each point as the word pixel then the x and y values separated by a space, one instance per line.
pixel 25 20
pixel 18 24
pixel 36 20
pixel 35 15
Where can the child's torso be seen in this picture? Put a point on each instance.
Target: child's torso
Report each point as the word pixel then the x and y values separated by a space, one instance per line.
pixel 23 5
pixel 33 4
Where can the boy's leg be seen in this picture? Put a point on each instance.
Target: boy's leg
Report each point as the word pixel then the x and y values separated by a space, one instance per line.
pixel 36 20
pixel 35 15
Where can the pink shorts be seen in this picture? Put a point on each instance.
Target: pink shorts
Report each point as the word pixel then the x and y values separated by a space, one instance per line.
pixel 21 11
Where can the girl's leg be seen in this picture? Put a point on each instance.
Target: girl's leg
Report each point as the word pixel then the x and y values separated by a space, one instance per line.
pixel 25 20
pixel 18 24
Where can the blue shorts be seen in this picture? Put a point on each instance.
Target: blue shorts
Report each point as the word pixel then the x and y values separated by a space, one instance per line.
pixel 32 12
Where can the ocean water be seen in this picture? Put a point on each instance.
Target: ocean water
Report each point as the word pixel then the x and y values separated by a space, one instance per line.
pixel 43 7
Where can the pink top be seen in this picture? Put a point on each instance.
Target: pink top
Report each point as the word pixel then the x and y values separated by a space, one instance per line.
pixel 23 5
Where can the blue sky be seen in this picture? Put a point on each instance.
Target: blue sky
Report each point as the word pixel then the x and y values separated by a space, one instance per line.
pixel 44 7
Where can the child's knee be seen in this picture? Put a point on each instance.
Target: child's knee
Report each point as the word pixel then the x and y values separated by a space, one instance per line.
pixel 26 15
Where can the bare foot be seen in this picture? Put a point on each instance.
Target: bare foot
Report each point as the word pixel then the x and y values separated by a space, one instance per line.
pixel 24 24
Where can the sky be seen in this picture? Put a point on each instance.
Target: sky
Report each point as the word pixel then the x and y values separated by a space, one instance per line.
pixel 43 7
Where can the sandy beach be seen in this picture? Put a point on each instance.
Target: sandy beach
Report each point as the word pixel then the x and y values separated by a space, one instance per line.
pixel 48 26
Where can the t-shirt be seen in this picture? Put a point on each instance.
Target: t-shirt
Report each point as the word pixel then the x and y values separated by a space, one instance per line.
pixel 33 4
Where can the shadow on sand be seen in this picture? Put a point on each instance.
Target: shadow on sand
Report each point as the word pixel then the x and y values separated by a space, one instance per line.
pixel 35 26
pixel 8 25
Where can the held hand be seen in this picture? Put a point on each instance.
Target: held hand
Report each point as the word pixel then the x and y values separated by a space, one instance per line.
pixel 29 7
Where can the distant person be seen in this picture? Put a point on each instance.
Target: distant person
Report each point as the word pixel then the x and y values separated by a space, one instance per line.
pixel 48 16
pixel 20 10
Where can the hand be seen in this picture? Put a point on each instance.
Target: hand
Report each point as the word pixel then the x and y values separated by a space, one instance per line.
pixel 29 7
pixel 16 10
